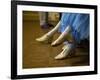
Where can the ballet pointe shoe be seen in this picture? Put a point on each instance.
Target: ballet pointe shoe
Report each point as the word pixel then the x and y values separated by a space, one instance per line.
pixel 62 37
pixel 66 51
pixel 45 39
pixel 57 42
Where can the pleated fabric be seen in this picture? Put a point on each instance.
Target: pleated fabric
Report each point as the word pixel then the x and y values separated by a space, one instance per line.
pixel 79 24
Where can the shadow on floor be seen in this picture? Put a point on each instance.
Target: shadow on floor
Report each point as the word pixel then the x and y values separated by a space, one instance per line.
pixel 37 55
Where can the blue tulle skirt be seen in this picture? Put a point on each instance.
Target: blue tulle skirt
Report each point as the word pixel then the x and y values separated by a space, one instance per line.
pixel 79 24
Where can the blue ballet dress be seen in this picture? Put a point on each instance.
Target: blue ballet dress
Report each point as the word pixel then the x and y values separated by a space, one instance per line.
pixel 79 24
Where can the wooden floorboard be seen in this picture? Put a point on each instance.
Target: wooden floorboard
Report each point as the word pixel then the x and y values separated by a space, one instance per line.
pixel 37 55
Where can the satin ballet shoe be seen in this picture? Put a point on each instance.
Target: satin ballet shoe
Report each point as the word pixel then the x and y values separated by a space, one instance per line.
pixel 65 43
pixel 45 39
pixel 66 51
pixel 64 47
pixel 57 42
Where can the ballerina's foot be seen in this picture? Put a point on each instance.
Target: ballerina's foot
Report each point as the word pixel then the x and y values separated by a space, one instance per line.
pixel 56 43
pixel 44 39
pixel 66 51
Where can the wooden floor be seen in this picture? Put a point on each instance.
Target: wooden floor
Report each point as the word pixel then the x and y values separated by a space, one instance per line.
pixel 38 55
